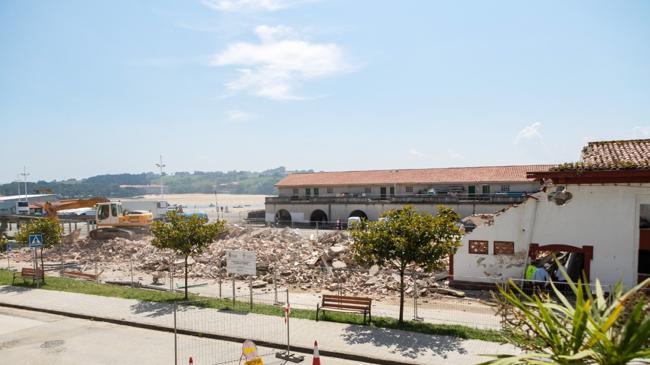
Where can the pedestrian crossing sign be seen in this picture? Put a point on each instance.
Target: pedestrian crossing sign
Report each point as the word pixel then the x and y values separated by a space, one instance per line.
pixel 35 240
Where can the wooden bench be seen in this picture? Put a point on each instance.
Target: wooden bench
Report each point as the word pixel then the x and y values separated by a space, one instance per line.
pixel 81 275
pixel 28 273
pixel 338 303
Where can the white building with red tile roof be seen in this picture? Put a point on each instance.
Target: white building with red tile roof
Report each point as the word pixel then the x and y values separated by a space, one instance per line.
pixel 594 213
pixel 321 197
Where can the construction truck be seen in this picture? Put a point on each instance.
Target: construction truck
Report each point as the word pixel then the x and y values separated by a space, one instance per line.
pixel 111 219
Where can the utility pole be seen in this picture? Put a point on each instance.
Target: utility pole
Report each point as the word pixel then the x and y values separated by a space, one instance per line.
pixel 24 174
pixel 161 166
pixel 216 201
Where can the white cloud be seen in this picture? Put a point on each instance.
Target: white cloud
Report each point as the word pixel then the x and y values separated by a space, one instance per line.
pixel 252 5
pixel 455 155
pixel 417 153
pixel 239 116
pixel 270 34
pixel 280 62
pixel 642 131
pixel 529 133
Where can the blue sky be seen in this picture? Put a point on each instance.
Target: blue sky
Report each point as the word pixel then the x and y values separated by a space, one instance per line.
pixel 105 87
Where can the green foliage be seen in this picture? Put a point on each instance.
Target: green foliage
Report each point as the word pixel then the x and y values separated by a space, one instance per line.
pixel 587 328
pixel 407 239
pixel 50 229
pixel 236 182
pixel 186 235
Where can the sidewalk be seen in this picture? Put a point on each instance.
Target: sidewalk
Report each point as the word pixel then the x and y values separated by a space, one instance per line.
pixel 379 343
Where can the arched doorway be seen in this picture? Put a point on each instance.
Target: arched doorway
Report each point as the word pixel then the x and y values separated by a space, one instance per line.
pixel 317 217
pixel 283 217
pixel 359 213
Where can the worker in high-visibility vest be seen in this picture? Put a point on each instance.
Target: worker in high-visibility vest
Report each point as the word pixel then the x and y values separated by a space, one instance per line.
pixel 530 271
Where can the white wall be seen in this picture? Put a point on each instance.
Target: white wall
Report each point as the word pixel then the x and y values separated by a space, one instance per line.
pixel 603 216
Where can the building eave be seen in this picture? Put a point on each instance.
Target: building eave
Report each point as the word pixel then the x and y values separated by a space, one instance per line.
pixel 593 177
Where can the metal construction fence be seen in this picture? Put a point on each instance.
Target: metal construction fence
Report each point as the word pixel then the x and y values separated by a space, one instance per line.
pixel 211 330
pixel 431 298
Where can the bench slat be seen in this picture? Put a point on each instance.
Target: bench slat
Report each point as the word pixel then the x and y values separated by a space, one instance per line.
pixel 344 306
pixel 327 296
pixel 31 272
pixel 343 310
pixel 366 304
pixel 347 301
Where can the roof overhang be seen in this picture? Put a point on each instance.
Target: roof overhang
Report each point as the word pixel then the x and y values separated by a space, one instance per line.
pixel 593 176
pixel 393 183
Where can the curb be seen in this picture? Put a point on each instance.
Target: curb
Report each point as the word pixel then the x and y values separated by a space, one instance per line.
pixel 154 327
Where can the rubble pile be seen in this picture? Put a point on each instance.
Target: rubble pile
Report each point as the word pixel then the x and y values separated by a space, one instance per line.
pixel 302 261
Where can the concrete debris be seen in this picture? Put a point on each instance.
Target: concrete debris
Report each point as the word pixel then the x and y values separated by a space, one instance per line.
pixel 300 261
pixel 258 284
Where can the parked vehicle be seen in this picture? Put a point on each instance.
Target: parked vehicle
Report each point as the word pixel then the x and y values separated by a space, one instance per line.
pixel 22 207
pixel 158 208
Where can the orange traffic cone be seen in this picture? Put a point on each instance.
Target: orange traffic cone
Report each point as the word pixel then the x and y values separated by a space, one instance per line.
pixel 316 358
pixel 191 361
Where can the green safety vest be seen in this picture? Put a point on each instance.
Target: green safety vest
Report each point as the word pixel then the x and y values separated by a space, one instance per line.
pixel 530 272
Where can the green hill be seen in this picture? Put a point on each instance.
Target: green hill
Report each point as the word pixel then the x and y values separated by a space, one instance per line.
pixel 234 182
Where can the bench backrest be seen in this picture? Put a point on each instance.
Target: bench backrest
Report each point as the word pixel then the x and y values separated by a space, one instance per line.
pixel 339 301
pixel 26 271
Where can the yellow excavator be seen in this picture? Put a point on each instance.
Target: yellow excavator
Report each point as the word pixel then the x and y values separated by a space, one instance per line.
pixel 111 219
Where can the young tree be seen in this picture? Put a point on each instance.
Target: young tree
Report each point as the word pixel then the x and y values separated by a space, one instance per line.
pixel 50 229
pixel 407 239
pixel 186 235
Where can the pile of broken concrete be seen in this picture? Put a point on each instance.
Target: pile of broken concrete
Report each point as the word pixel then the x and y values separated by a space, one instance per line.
pixel 296 258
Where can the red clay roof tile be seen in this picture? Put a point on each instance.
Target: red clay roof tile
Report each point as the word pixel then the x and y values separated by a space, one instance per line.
pixel 617 154
pixel 497 174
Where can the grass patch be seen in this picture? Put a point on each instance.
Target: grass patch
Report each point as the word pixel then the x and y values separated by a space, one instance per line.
pixel 116 291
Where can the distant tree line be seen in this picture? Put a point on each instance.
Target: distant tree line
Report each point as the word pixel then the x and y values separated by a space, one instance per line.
pixel 233 182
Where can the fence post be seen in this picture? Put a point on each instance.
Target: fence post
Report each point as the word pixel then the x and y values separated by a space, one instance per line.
pixel 131 266
pixel 171 275
pixel 233 291
pixel 250 289
pixel 96 276
pixel 338 284
pixel 288 317
pixel 415 298
pixel 275 286
pixel 175 338
pixel 219 285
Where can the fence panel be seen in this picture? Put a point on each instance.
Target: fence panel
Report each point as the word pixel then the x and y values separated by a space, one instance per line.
pixel 219 326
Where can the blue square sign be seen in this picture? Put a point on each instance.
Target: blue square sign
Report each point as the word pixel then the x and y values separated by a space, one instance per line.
pixel 35 240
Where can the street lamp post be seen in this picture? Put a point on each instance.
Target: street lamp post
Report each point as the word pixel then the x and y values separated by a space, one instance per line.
pixel 18 184
pixel 24 174
pixel 216 201
pixel 161 165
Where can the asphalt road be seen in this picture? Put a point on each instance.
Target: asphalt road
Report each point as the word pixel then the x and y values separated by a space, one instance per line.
pixel 34 338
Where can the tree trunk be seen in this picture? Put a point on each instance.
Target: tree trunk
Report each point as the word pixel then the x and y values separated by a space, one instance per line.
pixel 185 277
pixel 401 296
